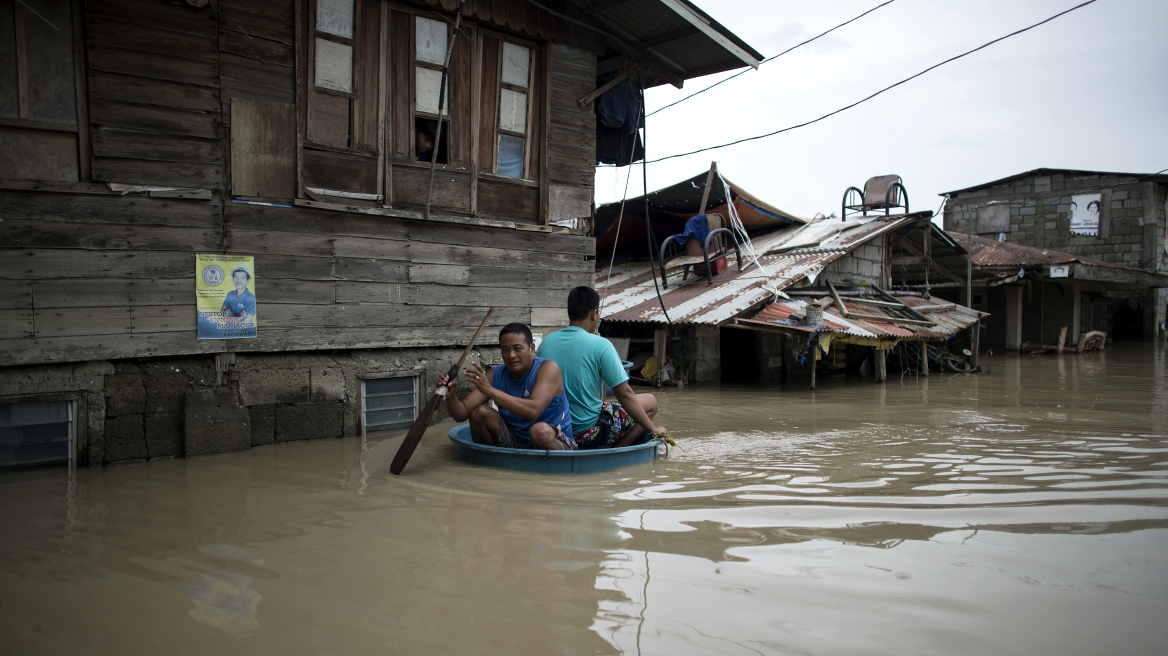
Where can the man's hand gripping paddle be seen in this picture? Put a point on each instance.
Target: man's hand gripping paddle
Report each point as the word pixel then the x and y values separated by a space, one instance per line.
pixel 415 435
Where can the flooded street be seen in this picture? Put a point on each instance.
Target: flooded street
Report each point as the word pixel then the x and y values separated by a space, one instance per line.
pixel 1017 512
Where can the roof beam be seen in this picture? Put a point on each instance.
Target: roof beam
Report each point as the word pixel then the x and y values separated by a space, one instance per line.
pixel 666 38
pixel 601 6
pixel 682 10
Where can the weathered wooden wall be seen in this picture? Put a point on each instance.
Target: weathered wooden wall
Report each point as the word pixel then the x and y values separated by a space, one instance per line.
pixel 154 97
pixel 87 276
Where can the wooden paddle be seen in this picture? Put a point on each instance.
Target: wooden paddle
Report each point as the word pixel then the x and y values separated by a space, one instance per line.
pixel 415 435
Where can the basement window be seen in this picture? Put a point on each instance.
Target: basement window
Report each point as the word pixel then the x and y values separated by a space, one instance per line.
pixel 389 401
pixel 37 434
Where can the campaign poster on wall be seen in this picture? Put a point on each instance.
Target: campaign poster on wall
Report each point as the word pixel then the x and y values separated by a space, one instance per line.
pixel 225 296
pixel 1085 215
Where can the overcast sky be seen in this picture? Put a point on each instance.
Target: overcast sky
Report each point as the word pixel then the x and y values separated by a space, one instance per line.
pixel 1088 90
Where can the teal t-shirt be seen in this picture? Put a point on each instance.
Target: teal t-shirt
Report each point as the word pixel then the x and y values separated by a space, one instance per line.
pixel 586 360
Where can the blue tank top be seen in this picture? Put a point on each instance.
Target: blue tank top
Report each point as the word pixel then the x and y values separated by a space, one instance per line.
pixel 556 413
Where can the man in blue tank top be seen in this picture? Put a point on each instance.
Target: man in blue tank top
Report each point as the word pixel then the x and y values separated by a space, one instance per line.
pixel 529 391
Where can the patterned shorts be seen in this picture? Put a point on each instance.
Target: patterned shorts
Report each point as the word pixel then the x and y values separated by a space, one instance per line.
pixel 508 440
pixel 622 423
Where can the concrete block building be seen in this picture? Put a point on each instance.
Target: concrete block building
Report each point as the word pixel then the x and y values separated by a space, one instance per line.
pixel 1100 251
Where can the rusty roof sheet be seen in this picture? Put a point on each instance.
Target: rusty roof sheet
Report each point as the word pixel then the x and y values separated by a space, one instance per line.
pixel 778 315
pixel 833 234
pixel 994 253
pixel 629 294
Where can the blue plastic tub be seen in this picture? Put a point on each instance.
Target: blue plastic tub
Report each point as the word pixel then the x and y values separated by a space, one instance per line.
pixel 551 462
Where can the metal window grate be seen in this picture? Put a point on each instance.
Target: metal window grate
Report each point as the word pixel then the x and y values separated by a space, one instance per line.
pixel 36 433
pixel 390 403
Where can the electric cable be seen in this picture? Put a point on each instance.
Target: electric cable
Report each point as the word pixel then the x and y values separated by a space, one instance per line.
pixel 747 70
pixel 870 97
pixel 621 215
pixel 645 181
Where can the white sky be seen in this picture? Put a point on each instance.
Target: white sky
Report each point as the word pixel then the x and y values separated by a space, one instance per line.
pixel 1088 90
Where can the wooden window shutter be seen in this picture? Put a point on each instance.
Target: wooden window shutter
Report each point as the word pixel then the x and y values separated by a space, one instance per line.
pixel 489 114
pixel 401 45
pixel 365 74
pixel 461 75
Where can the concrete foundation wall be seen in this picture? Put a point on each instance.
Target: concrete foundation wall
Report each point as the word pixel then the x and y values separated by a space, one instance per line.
pixel 174 407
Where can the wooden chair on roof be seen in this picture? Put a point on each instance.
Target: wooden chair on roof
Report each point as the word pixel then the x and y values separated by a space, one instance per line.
pixel 710 260
pixel 883 192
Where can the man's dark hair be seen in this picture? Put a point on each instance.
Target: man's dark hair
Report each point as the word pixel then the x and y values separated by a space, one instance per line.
pixel 581 302
pixel 518 329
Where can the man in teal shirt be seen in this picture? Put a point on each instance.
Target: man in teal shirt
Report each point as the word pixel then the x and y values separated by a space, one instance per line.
pixel 587 360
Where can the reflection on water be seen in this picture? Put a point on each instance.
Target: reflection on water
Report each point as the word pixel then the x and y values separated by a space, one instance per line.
pixel 1023 511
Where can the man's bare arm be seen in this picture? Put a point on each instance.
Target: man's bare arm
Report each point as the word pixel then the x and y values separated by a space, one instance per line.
pixel 460 410
pixel 548 383
pixel 628 400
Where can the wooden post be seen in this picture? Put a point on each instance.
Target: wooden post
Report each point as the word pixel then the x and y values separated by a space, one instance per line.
pixel 659 353
pixel 924 358
pixel 706 191
pixel 881 365
pixel 1062 340
pixel 976 345
pixel 785 376
pixel 814 363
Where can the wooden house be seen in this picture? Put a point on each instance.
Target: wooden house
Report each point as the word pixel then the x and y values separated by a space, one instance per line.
pixel 137 134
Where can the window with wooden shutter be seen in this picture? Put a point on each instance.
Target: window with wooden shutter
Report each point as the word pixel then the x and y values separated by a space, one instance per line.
pixel 431 40
pixel 343 62
pixel 42 104
pixel 509 122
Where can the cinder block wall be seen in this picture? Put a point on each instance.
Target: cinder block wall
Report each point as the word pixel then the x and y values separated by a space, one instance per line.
pixel 147 409
pixel 1040 216
pixel 862 264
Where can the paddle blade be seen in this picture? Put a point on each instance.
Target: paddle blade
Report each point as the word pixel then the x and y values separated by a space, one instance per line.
pixel 414 436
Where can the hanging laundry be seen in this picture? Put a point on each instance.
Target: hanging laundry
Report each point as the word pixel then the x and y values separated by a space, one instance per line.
pixel 614 145
pixel 618 117
pixel 620 107
pixel 697 227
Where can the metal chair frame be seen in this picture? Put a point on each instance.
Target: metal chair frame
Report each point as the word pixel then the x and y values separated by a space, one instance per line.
pixel 892 196
pixel 707 259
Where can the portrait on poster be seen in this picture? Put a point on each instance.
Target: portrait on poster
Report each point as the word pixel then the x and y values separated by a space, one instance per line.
pixel 225 296
pixel 1085 215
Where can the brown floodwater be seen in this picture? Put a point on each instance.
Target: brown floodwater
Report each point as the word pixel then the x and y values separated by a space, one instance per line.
pixel 1021 511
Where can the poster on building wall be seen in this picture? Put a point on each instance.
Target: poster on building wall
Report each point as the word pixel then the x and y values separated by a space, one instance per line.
pixel 225 296
pixel 1085 215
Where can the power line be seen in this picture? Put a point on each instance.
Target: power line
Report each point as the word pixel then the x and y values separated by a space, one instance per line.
pixel 771 58
pixel 887 88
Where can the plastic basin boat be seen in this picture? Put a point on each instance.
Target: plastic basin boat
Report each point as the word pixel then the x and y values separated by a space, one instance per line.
pixel 551 462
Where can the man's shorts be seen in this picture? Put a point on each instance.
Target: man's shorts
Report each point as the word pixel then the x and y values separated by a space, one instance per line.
pixel 622 423
pixel 508 440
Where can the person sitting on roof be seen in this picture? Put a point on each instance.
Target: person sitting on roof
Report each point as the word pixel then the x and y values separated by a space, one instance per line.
pixel 586 360
pixel 529 391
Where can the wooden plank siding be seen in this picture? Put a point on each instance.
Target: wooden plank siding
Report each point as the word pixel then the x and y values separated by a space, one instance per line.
pixel 153 81
pixel 77 282
pixel 87 274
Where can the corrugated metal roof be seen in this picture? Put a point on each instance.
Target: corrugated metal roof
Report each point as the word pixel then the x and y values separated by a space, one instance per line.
pixel 1146 176
pixel 683 41
pixel 778 315
pixel 675 32
pixel 629 295
pixel 993 253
